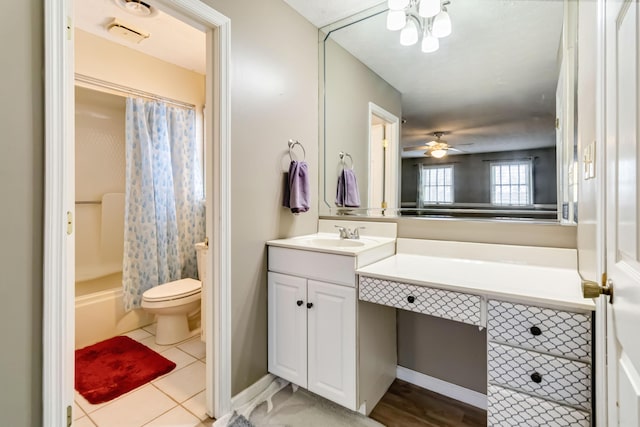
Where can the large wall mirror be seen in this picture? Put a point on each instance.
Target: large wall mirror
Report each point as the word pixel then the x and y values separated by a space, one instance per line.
pixel 480 125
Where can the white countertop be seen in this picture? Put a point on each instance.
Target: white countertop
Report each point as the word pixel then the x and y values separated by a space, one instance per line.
pixel 555 286
pixel 331 243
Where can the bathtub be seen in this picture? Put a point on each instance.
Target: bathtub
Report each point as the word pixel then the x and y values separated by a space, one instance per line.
pixel 100 313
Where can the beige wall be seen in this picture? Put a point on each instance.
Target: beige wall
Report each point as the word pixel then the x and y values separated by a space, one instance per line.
pixel 349 87
pixel 102 59
pixel 21 187
pixel 274 95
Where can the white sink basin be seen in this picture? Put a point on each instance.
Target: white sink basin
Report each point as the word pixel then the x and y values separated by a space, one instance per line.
pixel 332 243
pixel 336 243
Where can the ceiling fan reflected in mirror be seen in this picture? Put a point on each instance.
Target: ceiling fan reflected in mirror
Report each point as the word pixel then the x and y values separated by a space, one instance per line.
pixel 437 147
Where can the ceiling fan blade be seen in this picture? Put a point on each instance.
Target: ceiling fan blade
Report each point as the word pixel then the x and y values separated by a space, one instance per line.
pixel 455 149
pixel 416 148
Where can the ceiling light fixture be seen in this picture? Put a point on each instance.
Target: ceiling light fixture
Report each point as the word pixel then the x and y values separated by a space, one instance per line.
pixel 396 20
pixel 409 34
pixel 438 154
pixel 429 42
pixel 442 24
pixel 428 17
pixel 137 7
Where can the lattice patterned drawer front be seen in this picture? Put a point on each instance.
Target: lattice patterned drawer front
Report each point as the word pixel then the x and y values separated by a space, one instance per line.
pixel 421 299
pixel 510 408
pixel 542 329
pixel 563 380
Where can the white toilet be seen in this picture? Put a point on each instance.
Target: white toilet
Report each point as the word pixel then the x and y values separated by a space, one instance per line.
pixel 172 303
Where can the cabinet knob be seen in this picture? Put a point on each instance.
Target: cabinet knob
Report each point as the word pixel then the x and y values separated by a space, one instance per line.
pixel 536 378
pixel 299 302
pixel 411 299
pixel 309 304
pixel 535 331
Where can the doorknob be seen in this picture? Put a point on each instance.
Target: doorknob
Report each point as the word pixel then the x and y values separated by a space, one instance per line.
pixel 594 290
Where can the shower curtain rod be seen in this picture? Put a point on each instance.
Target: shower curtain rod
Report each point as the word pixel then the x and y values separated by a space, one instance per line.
pixel 81 78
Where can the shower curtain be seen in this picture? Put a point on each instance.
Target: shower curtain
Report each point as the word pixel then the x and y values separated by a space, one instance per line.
pixel 164 206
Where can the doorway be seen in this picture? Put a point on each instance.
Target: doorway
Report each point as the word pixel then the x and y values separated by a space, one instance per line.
pixel 60 212
pixel 383 158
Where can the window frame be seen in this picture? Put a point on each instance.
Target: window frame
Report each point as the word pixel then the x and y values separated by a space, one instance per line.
pixel 424 202
pixel 493 185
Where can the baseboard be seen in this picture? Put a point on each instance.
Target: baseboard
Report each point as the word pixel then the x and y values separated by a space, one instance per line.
pixel 251 392
pixel 444 388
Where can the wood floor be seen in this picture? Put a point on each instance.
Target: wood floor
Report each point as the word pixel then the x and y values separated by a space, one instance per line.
pixel 406 405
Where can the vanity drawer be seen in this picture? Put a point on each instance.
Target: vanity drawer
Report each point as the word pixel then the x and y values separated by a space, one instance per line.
pixel 510 408
pixel 566 381
pixel 422 299
pixel 551 331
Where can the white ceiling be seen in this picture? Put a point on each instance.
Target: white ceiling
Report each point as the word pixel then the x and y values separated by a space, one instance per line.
pixel 491 85
pixel 170 39
pixel 325 12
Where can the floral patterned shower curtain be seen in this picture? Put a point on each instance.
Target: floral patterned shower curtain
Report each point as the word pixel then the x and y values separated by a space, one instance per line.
pixel 164 206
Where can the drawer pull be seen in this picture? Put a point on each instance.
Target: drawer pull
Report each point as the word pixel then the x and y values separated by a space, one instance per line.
pixel 536 378
pixel 299 302
pixel 309 304
pixel 411 299
pixel 535 331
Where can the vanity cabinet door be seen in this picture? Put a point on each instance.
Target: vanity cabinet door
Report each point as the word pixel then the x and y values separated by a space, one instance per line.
pixel 288 327
pixel 332 342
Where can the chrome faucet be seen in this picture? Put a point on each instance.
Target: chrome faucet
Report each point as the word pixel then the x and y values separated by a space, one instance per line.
pixel 346 233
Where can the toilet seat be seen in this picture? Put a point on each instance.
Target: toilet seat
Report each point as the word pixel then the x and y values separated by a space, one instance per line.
pixel 178 289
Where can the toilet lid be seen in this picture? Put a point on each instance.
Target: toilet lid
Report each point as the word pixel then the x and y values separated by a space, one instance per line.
pixel 173 290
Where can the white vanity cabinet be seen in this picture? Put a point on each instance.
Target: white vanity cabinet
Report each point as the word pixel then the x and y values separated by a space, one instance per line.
pixel 320 336
pixel 539 365
pixel 539 327
pixel 312 336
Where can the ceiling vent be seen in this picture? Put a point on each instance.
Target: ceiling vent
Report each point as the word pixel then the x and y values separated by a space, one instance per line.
pixel 126 31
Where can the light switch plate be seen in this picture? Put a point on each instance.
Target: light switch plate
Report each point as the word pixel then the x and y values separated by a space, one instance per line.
pixel 589 161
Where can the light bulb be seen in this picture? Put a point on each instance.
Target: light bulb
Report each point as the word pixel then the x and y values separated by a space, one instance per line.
pixel 409 34
pixel 429 8
pixel 430 43
pixel 396 20
pixel 398 4
pixel 441 24
pixel 438 154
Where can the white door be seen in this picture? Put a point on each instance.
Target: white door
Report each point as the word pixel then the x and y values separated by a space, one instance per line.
pixel 622 212
pixel 287 299
pixel 384 159
pixel 332 342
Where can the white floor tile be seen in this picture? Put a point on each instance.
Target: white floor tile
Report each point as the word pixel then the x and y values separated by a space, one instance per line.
pixel 77 411
pixel 135 409
pixel 194 347
pixel 179 357
pixel 138 334
pixel 151 343
pixel 196 405
pixel 177 417
pixel 185 383
pixel 151 328
pixel 83 422
pixel 89 407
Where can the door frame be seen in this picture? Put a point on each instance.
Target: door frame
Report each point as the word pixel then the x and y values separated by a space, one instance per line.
pixel 600 368
pixel 59 204
pixel 394 150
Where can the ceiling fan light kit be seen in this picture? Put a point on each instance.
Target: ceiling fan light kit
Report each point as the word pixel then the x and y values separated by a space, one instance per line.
pixel 428 17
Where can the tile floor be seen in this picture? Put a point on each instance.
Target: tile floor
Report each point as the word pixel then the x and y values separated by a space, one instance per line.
pixel 172 400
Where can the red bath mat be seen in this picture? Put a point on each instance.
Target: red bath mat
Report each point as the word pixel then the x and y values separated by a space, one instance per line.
pixel 115 366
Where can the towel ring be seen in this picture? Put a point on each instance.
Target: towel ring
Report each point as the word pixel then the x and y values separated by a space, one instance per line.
pixel 343 161
pixel 292 143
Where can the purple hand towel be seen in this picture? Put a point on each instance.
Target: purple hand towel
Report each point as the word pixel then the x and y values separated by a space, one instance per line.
pixel 296 193
pixel 347 194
